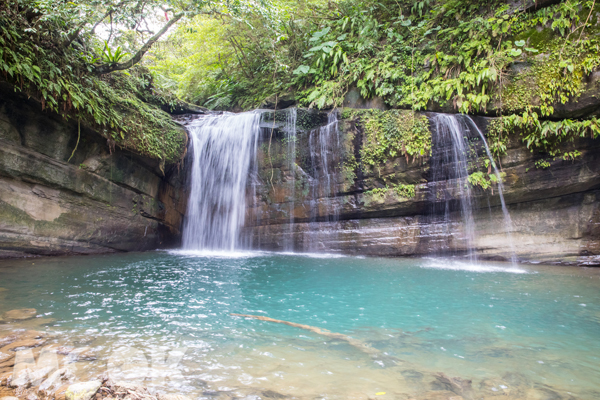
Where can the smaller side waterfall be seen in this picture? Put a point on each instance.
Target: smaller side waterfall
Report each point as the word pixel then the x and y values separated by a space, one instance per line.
pixel 224 148
pixel 450 166
pixel 291 137
pixel 324 148
pixel 508 226
pixel 323 144
pixel 310 170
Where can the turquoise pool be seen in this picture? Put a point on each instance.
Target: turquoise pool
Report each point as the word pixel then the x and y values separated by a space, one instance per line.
pixel 521 332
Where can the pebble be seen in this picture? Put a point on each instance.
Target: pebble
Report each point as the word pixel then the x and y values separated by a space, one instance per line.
pixel 82 391
pixel 172 397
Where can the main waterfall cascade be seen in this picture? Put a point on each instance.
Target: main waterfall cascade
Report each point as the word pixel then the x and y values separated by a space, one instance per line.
pixel 450 170
pixel 225 179
pixel 224 151
pixel 224 148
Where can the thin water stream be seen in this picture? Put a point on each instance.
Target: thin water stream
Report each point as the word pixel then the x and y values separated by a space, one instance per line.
pixel 508 226
pixel 452 154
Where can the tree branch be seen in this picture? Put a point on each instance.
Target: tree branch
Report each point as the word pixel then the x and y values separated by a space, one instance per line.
pixel 111 8
pixel 106 68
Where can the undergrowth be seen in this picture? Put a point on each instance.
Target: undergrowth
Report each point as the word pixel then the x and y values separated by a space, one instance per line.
pixel 390 134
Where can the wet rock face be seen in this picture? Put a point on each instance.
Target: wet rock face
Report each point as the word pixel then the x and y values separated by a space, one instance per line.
pixel 54 200
pixel 367 210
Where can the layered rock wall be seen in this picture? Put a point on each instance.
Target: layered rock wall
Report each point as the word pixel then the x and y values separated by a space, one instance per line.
pixel 64 191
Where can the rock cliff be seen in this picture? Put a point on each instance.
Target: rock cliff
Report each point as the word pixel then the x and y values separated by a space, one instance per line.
pixel 64 190
pixel 320 195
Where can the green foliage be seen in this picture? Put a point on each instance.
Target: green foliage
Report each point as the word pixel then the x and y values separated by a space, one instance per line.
pixel 545 136
pixel 61 79
pixel 483 180
pixel 401 190
pixel 479 179
pixel 61 53
pixel 112 58
pixel 349 166
pixel 405 191
pixel 235 63
pixel 497 137
pixel 412 54
pixel 391 134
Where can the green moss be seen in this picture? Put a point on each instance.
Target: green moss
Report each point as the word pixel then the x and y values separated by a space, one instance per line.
pixel 537 37
pixel 390 134
pixel 400 190
pixel 497 139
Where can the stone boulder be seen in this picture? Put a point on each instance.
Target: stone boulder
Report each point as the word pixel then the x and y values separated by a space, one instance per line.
pixel 82 391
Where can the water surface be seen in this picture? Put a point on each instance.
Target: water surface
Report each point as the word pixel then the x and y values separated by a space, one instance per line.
pixel 521 332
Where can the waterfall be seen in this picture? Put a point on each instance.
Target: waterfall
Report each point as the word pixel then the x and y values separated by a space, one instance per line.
pixel 452 153
pixel 291 137
pixel 224 148
pixel 323 145
pixel 508 226
pixel 324 148
pixel 449 166
pixel 224 174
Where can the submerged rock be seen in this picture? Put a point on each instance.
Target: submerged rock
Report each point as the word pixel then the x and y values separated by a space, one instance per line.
pixel 172 397
pixel 271 394
pixel 82 391
pixel 57 379
pixel 77 354
pixel 27 343
pixel 459 386
pixel 19 314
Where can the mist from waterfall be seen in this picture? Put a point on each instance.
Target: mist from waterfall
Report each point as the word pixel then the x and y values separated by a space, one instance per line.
pixel 224 148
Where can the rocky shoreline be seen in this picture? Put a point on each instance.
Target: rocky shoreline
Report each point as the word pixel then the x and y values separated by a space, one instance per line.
pixel 21 377
pixel 34 379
